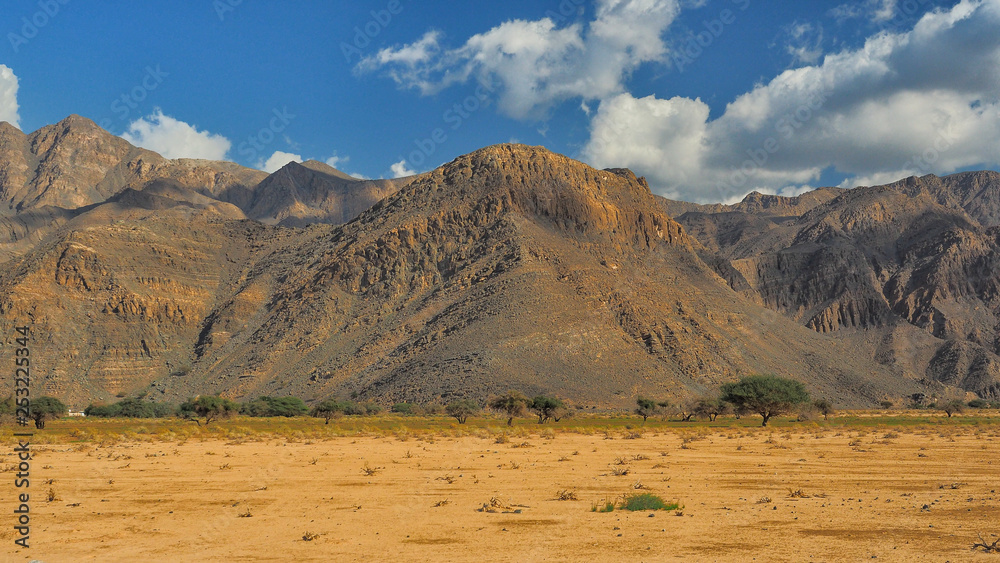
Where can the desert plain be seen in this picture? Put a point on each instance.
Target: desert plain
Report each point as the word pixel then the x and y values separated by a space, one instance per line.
pixel 856 487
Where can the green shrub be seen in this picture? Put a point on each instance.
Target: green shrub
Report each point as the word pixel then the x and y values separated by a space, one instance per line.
pixel 647 501
pixel 979 404
pixel 131 408
pixel 404 408
pixel 275 406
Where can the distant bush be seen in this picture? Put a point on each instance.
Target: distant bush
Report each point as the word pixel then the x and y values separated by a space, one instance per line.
pixel 209 407
pixel 328 409
pixel 886 404
pixel 274 406
pixel 46 408
pixel 405 408
pixel 824 407
pixel 710 408
pixel 950 407
pixel 462 409
pixel 512 404
pixel 646 407
pixel 979 404
pixel 7 406
pixel 433 408
pixel 131 408
pixel 546 408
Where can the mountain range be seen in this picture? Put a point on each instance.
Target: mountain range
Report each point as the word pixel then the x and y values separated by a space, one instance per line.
pixel 510 267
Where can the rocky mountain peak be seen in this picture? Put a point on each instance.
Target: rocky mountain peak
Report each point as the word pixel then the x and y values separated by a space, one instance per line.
pixel 534 182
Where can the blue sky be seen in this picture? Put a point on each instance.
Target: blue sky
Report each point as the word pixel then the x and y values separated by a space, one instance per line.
pixel 708 99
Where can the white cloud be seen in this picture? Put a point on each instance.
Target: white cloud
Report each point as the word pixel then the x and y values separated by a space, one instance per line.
pixel 8 96
pixel 533 65
pixel 399 170
pixel 336 160
pixel 917 102
pixel 277 161
pixel 175 139
pixel 805 43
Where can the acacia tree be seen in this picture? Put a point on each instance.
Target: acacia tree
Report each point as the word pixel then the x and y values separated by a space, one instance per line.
pixel 710 408
pixel 512 404
pixel 461 410
pixel 46 408
pixel 824 407
pixel 766 395
pixel 646 408
pixel 686 410
pixel 209 407
pixel 328 409
pixel 546 408
pixel 954 406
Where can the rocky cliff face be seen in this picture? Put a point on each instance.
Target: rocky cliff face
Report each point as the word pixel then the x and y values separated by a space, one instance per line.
pixel 920 253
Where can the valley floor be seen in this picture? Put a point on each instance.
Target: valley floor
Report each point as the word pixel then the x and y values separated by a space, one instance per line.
pixel 807 492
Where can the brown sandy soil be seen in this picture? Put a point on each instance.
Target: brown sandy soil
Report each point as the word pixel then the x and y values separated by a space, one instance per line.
pixel 921 495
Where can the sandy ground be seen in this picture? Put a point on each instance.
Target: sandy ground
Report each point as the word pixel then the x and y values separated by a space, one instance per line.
pixel 894 495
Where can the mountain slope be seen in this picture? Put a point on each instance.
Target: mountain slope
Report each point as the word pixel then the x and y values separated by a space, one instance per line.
pixel 509 267
pixel 915 263
pixel 312 192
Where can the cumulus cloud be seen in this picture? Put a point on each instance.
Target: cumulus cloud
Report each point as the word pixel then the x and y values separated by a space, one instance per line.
pixel 175 139
pixel 533 65
pixel 277 161
pixel 915 102
pixel 399 170
pixel 8 96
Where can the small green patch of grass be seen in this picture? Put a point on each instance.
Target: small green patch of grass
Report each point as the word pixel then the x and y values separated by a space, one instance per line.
pixel 648 501
pixel 608 506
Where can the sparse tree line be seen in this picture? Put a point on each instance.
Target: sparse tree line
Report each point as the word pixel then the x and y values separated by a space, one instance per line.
pixel 764 395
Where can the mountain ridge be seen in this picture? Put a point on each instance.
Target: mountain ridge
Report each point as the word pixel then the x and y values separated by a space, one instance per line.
pixel 511 266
